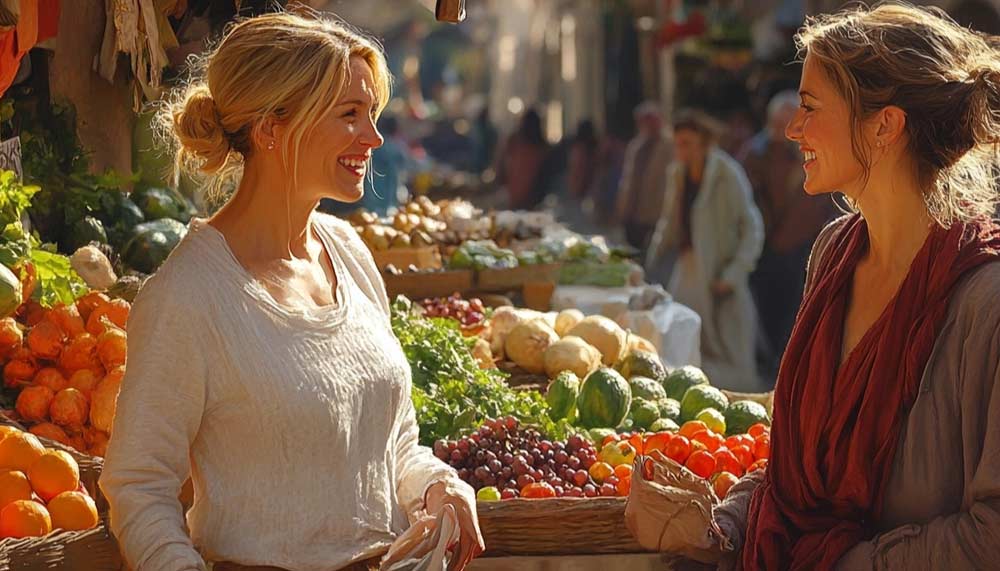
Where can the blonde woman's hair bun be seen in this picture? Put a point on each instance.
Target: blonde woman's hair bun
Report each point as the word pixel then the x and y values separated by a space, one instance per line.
pixel 201 138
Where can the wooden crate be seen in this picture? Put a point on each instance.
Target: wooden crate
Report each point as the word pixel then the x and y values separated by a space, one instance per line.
pixel 418 285
pixel 557 526
pixel 507 279
pixel 425 258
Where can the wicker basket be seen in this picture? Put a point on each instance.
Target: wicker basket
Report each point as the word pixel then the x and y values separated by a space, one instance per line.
pixel 92 550
pixel 559 526
pixel 90 466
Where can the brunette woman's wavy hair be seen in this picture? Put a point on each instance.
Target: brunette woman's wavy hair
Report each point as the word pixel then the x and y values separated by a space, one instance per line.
pixel 946 79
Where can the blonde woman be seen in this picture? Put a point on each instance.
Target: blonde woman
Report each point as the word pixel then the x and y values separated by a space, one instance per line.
pixel 886 440
pixel 262 361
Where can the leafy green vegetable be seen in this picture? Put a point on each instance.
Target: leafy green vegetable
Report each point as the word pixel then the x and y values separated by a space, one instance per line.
pixel 57 281
pixel 451 393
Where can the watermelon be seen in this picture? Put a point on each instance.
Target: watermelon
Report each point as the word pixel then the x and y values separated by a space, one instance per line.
pixel 679 381
pixel 742 414
pixel 644 413
pixel 152 243
pixel 700 397
pixel 639 363
pixel 646 388
pixel 157 203
pixel 604 399
pixel 561 395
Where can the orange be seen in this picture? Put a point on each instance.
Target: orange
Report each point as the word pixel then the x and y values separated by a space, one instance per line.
pixel 115 311
pixel 24 518
pixel 50 431
pixel 723 482
pixel 19 450
pixel 14 486
pixel 758 465
pixel 97 441
pixel 45 340
pixel 52 378
pixel 70 407
pixel 623 471
pixel 112 348
pixel 73 511
pixel 85 381
pixel 739 440
pixel 80 353
pixel 77 441
pixel 692 427
pixel 33 403
pixel 67 318
pixel 54 473
pixel 88 303
pixel 726 461
pixel 744 455
pixel 19 372
pixel 599 471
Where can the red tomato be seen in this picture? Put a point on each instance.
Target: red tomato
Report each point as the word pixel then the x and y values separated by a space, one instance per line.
pixel 609 438
pixel 756 430
pixel 758 465
pixel 636 441
pixel 743 454
pixel 710 439
pixel 739 440
pixel 701 463
pixel 678 449
pixel 726 461
pixel 538 490
pixel 762 448
pixel 658 441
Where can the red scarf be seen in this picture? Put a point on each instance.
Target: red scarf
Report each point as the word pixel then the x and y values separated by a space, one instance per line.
pixel 836 428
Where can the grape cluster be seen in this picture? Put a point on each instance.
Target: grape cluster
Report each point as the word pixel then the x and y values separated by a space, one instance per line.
pixel 510 457
pixel 468 312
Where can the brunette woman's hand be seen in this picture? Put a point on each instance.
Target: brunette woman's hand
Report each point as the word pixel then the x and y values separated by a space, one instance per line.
pixel 470 544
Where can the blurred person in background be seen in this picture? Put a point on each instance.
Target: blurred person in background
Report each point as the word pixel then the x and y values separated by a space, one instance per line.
pixel 644 177
pixel 705 246
pixel 792 220
pixel 390 163
pixel 583 155
pixel 485 136
pixel 520 162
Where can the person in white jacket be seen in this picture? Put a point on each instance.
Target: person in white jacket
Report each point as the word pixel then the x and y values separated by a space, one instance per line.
pixel 262 362
pixel 705 246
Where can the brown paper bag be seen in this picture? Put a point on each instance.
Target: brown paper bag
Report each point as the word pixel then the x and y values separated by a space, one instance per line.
pixel 669 510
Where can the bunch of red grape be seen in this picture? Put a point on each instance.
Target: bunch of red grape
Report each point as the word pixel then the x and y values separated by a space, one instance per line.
pixel 520 462
pixel 468 312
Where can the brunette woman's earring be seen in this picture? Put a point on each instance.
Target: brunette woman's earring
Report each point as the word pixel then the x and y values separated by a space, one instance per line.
pixel 270 146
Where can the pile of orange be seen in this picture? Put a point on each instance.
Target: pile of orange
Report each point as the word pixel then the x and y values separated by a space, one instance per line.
pixel 40 489
pixel 68 362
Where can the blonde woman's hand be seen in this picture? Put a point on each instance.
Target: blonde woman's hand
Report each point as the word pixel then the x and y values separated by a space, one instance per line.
pixel 470 544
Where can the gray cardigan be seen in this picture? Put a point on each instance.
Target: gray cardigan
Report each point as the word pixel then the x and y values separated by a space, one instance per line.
pixel 942 505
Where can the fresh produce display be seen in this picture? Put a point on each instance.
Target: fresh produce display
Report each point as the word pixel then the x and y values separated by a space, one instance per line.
pixel 700 397
pixel 682 379
pixel 451 391
pixel 65 366
pixel 40 489
pixel 604 399
pixel 44 274
pixel 481 255
pixel 561 395
pixel 422 223
pixel 469 313
pixel 505 460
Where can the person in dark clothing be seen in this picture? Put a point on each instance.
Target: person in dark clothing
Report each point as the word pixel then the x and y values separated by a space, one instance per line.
pixel 520 163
